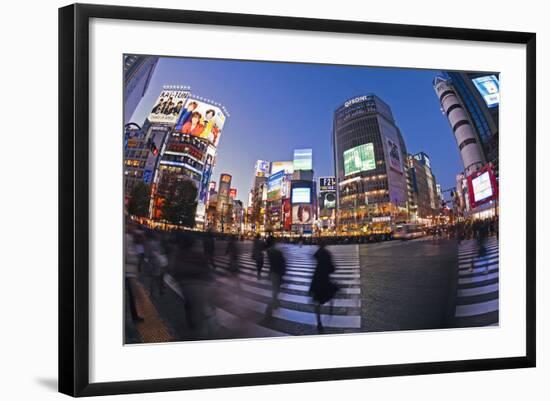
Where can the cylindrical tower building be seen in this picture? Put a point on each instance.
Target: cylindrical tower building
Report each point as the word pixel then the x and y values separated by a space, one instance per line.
pixel 467 141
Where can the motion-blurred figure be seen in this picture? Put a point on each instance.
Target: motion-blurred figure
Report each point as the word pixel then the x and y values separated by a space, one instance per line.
pixel 322 289
pixel 277 269
pixel 258 254
pixel 195 280
pixel 157 257
pixel 209 246
pixel 232 251
pixel 131 273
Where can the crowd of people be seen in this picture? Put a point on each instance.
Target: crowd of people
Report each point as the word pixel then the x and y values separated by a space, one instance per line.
pixel 191 259
pixel 152 254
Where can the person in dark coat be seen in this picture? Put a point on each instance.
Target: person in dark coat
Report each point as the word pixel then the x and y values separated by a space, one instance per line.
pixel 322 289
pixel 209 247
pixel 258 254
pixel 277 269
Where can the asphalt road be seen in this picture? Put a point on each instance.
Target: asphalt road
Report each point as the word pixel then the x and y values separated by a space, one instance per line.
pixel 387 286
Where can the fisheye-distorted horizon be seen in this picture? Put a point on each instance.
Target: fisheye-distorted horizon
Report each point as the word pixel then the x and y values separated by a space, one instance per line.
pixel 277 107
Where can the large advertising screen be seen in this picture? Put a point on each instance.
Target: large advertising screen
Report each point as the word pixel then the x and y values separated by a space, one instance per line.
pixel 489 88
pixel 261 168
pixel 359 158
pixel 287 167
pixel 302 214
pixel 274 186
pixel 394 155
pixel 303 159
pixel 168 107
pixel 328 200
pixel 301 195
pixel 327 184
pixel 482 187
pixel 202 120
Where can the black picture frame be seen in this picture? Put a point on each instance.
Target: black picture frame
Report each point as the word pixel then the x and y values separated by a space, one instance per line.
pixel 74 194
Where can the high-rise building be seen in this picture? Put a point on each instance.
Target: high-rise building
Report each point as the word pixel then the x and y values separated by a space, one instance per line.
pixel 425 199
pixel 470 102
pixel 189 151
pixel 480 97
pixel 138 71
pixel 370 166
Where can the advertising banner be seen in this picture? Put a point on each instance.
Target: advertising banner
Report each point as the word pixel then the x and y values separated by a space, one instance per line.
pixel 329 200
pixel 261 168
pixel 394 155
pixel 301 195
pixel 205 179
pixel 233 193
pixel 202 120
pixel 489 89
pixel 303 159
pixel 359 158
pixel 287 167
pixel 327 184
pixel 274 186
pixel 302 214
pixel 168 107
pixel 482 187
pixel 287 215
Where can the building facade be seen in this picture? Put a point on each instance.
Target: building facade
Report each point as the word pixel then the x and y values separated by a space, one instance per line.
pixel 425 202
pixel 370 167
pixel 138 71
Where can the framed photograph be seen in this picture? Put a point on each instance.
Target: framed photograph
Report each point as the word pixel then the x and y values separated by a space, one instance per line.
pixel 250 199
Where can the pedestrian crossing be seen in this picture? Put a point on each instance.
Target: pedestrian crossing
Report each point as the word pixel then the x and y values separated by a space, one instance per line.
pixel 244 298
pixel 477 297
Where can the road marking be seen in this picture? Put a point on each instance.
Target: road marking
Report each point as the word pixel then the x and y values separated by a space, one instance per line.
pixel 477 309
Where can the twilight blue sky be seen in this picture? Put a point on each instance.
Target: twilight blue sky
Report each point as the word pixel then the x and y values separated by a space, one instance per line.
pixel 277 107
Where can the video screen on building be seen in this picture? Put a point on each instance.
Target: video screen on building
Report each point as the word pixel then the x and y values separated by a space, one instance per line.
pixel 301 195
pixel 303 159
pixel 274 186
pixel 489 89
pixel 482 187
pixel 359 158
pixel 286 166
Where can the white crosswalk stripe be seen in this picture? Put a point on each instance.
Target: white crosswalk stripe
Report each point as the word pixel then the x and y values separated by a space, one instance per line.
pixel 478 287
pixel 295 313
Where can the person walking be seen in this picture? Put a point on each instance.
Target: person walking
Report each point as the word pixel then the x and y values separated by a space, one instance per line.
pixel 258 254
pixel 277 269
pixel 232 251
pixel 209 247
pixel 322 289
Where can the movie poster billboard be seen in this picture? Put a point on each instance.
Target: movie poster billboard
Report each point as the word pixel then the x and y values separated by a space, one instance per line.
pixel 202 120
pixel 168 107
pixel 394 155
pixel 302 214
pixel 274 186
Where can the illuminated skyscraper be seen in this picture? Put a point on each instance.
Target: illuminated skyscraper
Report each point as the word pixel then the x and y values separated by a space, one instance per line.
pixel 370 166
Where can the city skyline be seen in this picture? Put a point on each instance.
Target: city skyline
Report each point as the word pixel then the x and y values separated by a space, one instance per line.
pixel 298 117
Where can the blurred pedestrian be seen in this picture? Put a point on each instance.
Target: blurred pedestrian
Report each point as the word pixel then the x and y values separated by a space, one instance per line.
pixel 209 247
pixel 277 269
pixel 157 257
pixel 322 289
pixel 131 274
pixel 258 254
pixel 197 285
